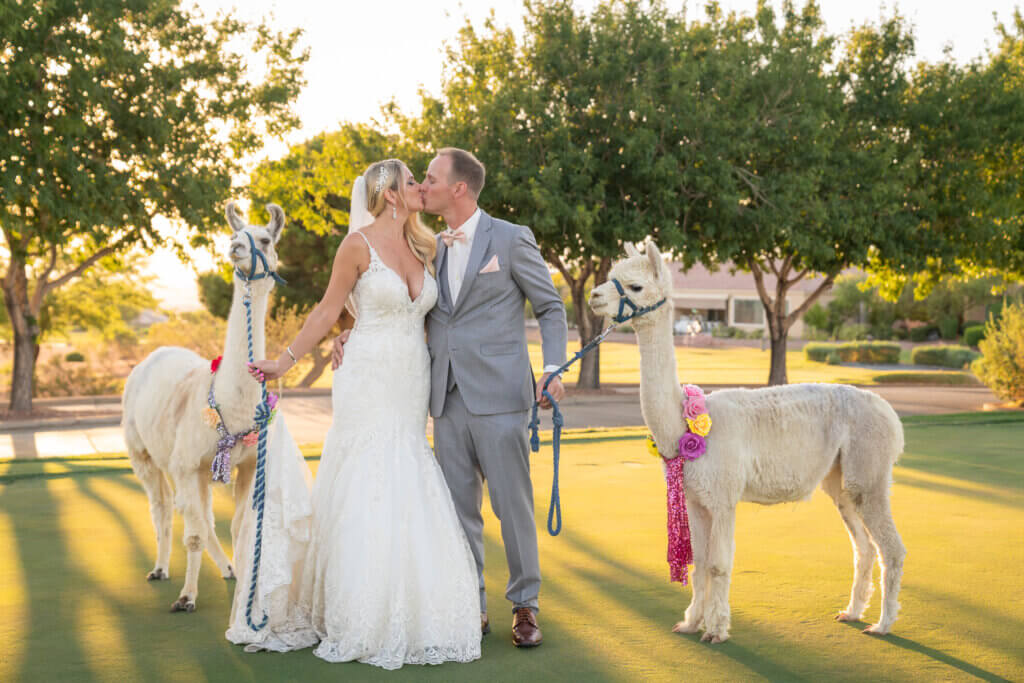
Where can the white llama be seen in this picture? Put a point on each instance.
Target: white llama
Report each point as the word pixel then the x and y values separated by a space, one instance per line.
pixel 766 446
pixel 164 401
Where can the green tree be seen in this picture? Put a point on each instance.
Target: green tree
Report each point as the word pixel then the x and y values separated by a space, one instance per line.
pixel 114 112
pixel 101 300
pixel 216 291
pixel 578 123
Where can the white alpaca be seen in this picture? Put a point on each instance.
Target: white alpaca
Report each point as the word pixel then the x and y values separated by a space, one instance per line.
pixel 766 446
pixel 164 399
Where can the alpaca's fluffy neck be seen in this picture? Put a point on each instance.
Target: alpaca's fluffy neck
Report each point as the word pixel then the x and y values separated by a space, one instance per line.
pixel 660 393
pixel 234 383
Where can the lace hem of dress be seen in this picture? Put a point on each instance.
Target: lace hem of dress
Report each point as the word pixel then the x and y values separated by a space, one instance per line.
pixel 337 651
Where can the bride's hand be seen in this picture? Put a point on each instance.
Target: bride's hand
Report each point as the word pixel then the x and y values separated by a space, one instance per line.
pixel 338 349
pixel 266 370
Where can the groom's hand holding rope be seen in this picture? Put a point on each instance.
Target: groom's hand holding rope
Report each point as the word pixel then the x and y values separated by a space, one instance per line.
pixel 555 388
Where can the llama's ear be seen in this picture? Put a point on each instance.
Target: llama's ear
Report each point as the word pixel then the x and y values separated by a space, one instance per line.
pixel 655 258
pixel 631 249
pixel 276 224
pixel 234 220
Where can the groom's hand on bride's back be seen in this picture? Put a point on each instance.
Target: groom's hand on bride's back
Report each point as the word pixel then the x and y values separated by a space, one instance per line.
pixel 556 390
pixel 338 349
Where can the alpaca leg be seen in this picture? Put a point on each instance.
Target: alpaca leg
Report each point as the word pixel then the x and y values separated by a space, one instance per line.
pixel 699 522
pixel 243 483
pixel 190 501
pixel 721 549
pixel 863 550
pixel 877 515
pixel 161 509
pixel 212 542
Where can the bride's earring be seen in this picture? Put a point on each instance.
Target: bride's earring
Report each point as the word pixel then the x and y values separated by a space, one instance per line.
pixel 394 212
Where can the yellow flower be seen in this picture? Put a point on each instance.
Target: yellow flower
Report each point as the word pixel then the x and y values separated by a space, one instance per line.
pixel 210 417
pixel 652 447
pixel 700 425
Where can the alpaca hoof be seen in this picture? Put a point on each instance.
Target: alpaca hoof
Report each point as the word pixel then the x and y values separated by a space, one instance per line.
pixel 230 574
pixel 876 630
pixel 253 647
pixel 158 574
pixel 846 616
pixel 713 638
pixel 683 627
pixel 184 604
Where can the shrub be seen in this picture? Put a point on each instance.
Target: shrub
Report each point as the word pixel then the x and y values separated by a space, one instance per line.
pixel 946 356
pixel 870 352
pixel 57 378
pixel 819 353
pixel 1001 366
pixel 948 327
pixel 920 334
pixel 852 332
pixel 928 377
pixel 833 358
pixel 974 334
pixel 75 357
pixel 724 331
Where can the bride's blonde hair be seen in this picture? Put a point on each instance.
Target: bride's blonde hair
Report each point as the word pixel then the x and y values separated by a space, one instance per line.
pixel 387 175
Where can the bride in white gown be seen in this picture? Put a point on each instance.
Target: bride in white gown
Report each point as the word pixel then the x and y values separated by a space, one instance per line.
pixel 387 576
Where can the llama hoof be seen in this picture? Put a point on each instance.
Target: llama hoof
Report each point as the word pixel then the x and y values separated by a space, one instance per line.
pixel 714 638
pixel 846 616
pixel 229 574
pixel 683 627
pixel 158 574
pixel 184 604
pixel 876 630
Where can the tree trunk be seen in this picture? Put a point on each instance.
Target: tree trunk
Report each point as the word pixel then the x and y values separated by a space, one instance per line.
pixel 320 362
pixel 26 336
pixel 777 373
pixel 586 325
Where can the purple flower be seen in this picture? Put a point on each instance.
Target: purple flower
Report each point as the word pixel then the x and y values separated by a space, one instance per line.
pixel 692 446
pixel 271 400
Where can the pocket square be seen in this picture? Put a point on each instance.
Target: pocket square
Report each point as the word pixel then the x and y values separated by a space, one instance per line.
pixel 492 265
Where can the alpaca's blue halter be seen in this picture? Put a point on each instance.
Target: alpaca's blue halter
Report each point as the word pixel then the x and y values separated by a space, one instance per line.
pixel 254 254
pixel 555 510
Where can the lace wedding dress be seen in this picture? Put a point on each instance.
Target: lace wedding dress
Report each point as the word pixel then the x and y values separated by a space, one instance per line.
pixel 387 577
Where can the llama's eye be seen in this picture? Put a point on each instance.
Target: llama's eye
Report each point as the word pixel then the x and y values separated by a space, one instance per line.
pixel 636 288
pixel 265 242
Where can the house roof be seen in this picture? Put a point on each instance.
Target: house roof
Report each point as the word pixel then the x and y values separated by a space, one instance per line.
pixel 698 277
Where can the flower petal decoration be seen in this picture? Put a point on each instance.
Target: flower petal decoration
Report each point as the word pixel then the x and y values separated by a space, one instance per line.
pixel 214 364
pixel 251 439
pixel 692 446
pixel 652 448
pixel 211 417
pixel 700 425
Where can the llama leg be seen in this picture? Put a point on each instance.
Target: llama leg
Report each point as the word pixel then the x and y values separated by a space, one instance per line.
pixel 877 515
pixel 721 548
pixel 161 509
pixel 189 500
pixel 243 483
pixel 212 542
pixel 863 550
pixel 699 522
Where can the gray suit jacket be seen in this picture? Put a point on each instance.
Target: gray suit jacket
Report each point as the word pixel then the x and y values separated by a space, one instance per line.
pixel 482 337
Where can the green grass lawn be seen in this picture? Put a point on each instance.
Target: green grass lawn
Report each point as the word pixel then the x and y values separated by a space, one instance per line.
pixel 620 364
pixel 76 543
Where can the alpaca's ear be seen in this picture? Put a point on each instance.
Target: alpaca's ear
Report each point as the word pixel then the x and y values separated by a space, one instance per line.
pixel 655 258
pixel 234 220
pixel 276 224
pixel 631 249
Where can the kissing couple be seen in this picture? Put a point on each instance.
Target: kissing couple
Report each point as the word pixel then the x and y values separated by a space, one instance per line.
pixel 383 561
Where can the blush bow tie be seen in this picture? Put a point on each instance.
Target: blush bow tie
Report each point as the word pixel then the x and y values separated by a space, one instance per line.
pixel 451 236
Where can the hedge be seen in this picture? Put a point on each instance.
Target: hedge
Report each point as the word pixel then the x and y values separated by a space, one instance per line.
pixel 876 352
pixel 945 355
pixel 974 334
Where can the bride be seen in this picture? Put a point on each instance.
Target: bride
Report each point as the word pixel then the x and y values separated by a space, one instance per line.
pixel 387 576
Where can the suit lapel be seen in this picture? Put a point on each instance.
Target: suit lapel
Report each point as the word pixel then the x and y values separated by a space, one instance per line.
pixel 441 268
pixel 481 240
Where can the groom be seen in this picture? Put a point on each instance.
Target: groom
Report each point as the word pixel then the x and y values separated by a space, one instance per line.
pixel 481 384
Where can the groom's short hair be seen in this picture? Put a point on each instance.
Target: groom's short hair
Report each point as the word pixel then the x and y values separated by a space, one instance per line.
pixel 466 168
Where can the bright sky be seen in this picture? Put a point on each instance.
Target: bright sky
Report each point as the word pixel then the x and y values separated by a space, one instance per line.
pixel 363 54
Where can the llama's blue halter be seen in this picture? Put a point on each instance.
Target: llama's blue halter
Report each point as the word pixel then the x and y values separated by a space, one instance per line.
pixel 555 510
pixel 255 254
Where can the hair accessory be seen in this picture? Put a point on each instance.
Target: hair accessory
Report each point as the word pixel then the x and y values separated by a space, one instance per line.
pixel 382 175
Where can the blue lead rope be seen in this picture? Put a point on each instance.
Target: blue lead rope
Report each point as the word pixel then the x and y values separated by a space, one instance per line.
pixel 555 509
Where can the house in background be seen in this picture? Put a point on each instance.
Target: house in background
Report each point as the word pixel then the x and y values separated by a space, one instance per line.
pixel 721 298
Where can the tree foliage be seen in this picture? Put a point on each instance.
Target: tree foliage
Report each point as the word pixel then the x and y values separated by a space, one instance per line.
pixel 113 113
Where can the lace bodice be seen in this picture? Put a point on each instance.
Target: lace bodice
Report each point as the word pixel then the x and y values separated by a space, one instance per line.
pixel 382 300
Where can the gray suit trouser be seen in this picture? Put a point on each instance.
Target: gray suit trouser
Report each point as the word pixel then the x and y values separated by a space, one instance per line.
pixel 472 449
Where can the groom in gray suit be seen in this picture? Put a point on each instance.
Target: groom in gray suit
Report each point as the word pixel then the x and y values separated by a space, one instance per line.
pixel 482 385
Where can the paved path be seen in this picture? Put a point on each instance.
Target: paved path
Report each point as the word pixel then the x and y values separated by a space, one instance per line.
pixel 309 416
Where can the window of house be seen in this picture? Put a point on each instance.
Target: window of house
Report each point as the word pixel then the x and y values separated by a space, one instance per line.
pixel 716 315
pixel 747 312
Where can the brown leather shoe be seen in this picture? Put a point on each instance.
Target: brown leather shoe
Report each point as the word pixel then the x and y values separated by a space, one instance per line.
pixel 525 632
pixel 485 625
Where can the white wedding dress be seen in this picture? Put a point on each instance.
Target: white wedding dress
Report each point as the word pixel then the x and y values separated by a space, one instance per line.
pixel 387 577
